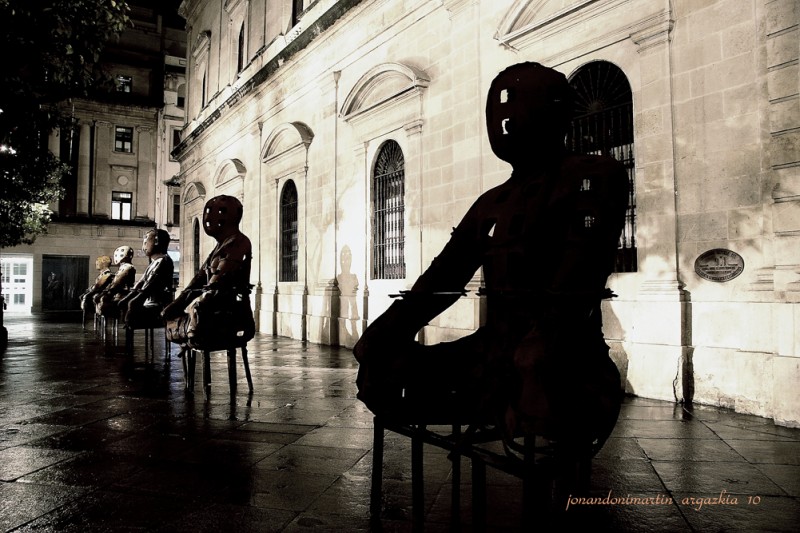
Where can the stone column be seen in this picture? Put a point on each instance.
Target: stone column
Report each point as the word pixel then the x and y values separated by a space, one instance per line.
pixel 102 170
pixel 659 362
pixel 84 153
pixel 54 145
pixel 145 176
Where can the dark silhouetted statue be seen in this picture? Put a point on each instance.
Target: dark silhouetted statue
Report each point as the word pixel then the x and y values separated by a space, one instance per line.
pixel 142 306
pixel 214 308
pixel 546 240
pixel 107 301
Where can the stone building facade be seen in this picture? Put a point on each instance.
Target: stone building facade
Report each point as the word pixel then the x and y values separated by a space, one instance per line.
pixel 119 151
pixel 353 131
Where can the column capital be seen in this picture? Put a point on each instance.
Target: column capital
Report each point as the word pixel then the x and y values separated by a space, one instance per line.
pixel 414 127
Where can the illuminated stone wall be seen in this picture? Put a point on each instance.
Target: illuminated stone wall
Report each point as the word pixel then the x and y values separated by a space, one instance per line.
pixel 715 98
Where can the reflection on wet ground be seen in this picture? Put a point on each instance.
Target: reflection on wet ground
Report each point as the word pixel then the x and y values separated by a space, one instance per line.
pixel 94 440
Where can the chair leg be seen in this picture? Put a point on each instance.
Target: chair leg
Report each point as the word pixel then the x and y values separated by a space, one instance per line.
pixel 377 469
pixel 417 483
pixel 232 370
pixel 189 360
pixel 479 495
pixel 167 347
pixel 206 373
pixel 151 333
pixel 129 342
pixel 530 494
pixel 246 364
pixel 455 488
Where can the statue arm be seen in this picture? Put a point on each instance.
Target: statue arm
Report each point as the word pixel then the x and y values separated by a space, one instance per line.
pixel 438 287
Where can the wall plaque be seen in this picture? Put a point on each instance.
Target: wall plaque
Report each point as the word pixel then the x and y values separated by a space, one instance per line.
pixel 719 265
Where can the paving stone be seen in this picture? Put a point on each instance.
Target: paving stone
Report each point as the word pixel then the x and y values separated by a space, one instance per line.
pixel 94 440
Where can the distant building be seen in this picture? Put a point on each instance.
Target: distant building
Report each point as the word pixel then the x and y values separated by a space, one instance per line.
pixel 123 179
pixel 353 131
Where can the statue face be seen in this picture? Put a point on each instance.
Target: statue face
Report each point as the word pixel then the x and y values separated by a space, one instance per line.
pixel 123 254
pixel 149 243
pixel 221 216
pixel 102 262
pixel 528 107
pixel 155 241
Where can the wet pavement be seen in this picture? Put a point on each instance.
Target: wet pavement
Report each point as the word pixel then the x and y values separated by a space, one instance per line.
pixel 94 440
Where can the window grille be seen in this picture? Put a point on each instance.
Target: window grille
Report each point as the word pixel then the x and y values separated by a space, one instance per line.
pixel 604 125
pixel 289 246
pixel 388 197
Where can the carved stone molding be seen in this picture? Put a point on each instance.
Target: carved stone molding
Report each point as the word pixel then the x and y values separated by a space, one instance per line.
pixel 380 85
pixel 455 7
pixel 532 23
pixel 414 128
pixel 655 31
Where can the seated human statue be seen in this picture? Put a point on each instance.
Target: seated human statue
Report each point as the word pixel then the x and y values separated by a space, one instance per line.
pixel 214 307
pixel 107 300
pixel 142 306
pixel 102 280
pixel 546 240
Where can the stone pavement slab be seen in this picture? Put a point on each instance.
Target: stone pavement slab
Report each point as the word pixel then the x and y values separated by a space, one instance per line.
pixel 92 439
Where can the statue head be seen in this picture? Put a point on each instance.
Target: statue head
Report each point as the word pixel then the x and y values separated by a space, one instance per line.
pixel 102 262
pixel 155 241
pixel 528 109
pixel 123 254
pixel 221 216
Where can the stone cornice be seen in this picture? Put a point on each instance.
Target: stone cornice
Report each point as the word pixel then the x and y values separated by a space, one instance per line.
pixel 325 21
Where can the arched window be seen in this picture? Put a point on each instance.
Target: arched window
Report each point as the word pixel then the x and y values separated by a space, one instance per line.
pixel 240 50
pixel 388 204
pixel 196 245
pixel 289 246
pixel 604 125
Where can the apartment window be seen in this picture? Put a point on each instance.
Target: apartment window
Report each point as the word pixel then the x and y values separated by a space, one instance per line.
pixel 123 139
pixel 121 203
pixel 388 205
pixel 240 50
pixel 604 125
pixel 176 209
pixel 124 84
pixel 289 246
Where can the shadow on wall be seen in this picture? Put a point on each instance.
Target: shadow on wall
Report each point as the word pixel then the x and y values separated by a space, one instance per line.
pixel 348 305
